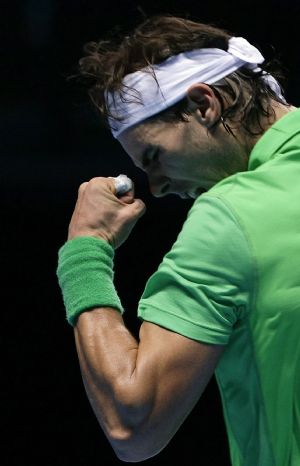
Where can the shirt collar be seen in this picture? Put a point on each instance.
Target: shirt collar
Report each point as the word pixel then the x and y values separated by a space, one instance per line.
pixel 271 141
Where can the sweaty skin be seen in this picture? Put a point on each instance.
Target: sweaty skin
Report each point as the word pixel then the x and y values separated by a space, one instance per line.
pixel 141 391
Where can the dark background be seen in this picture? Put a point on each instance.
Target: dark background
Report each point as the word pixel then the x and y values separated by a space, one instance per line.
pixel 51 141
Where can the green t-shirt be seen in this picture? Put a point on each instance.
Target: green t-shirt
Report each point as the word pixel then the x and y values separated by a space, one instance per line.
pixel 233 277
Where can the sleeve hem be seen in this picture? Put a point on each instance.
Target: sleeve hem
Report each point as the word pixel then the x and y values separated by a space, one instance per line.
pixel 179 325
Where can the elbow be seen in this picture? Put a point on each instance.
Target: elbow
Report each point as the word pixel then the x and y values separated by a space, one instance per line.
pixel 133 447
pixel 133 437
pixel 130 431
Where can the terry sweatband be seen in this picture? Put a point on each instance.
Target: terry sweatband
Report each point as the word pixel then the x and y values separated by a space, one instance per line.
pixel 155 88
pixel 85 275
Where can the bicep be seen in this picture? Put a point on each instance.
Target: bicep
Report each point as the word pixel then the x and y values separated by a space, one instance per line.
pixel 177 369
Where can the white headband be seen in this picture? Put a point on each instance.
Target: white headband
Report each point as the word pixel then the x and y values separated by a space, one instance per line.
pixel 157 87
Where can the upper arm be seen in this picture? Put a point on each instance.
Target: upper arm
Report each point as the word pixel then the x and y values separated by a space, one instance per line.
pixel 189 309
pixel 170 375
pixel 181 368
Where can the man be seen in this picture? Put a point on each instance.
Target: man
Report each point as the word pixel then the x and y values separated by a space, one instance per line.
pixel 193 107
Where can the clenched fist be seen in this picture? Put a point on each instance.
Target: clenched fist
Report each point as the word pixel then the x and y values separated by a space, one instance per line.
pixel 100 213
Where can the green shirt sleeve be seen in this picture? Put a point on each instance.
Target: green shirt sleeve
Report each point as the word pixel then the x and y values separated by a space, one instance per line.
pixel 204 285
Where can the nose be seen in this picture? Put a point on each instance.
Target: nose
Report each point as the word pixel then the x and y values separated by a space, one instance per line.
pixel 159 186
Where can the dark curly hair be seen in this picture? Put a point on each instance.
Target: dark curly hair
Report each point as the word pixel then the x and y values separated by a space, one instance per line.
pixel 242 94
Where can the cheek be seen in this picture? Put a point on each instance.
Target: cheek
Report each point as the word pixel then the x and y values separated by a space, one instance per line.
pixel 175 165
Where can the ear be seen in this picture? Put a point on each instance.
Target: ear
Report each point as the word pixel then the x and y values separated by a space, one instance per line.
pixel 205 104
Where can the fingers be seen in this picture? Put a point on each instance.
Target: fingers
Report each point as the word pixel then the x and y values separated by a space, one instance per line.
pixel 112 184
pixel 99 211
pixel 138 207
pixel 128 197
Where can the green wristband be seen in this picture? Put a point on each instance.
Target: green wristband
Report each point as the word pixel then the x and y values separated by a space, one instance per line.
pixel 85 275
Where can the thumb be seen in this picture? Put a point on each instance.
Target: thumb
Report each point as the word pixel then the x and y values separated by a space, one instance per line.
pixel 128 197
pixel 137 207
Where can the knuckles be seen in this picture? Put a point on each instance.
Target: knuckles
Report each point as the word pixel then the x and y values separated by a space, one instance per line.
pixel 93 184
pixel 82 187
pixel 97 181
pixel 95 187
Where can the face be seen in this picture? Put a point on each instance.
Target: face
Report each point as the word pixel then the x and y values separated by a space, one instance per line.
pixel 182 158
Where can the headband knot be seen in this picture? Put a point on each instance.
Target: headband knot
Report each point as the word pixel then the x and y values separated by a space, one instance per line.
pixel 242 49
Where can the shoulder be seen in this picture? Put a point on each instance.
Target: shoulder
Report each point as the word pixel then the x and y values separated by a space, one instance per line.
pixel 213 228
pixel 205 282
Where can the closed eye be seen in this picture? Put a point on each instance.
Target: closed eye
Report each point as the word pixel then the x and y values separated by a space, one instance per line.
pixel 150 156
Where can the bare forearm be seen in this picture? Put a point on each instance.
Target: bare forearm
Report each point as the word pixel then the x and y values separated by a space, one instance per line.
pixel 139 391
pixel 107 353
pixel 121 395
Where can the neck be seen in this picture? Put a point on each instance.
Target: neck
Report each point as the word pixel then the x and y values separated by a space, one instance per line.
pixel 248 141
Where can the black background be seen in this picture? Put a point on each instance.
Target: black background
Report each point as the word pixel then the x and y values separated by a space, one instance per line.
pixel 51 141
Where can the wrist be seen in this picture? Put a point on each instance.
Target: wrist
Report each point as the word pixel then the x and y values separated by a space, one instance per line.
pixel 88 233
